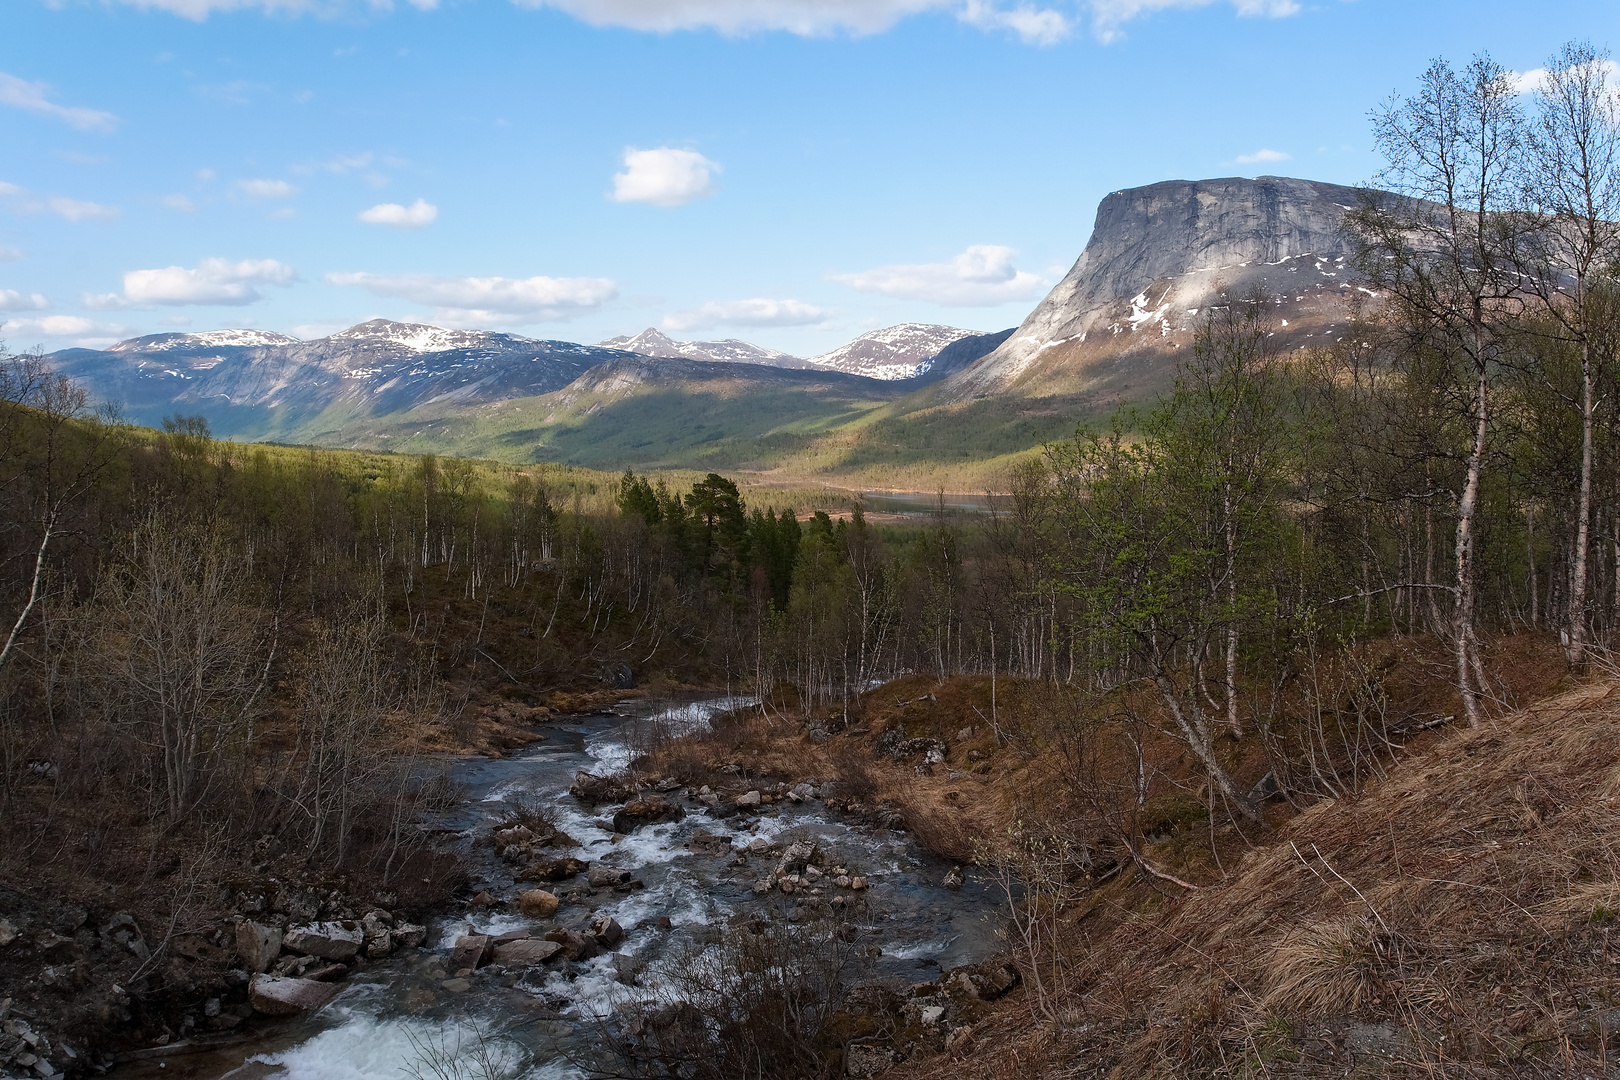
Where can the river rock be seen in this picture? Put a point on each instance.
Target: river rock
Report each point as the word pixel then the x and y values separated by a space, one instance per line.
pixel 552 870
pixel 538 904
pixel 748 800
pixel 328 940
pixel 276 995
pixel 606 877
pixel 378 929
pixel 646 810
pixel 575 946
pixel 471 951
pixel 626 969
pixel 606 930
pixel 588 787
pixel 409 935
pixel 526 952
pixel 799 855
pixel 258 945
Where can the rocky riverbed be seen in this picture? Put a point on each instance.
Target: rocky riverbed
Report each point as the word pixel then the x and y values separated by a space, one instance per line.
pixel 586 887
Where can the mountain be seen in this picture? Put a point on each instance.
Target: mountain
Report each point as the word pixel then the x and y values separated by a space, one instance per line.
pixel 254 384
pixel 651 342
pixel 915 406
pixel 1158 257
pixel 903 351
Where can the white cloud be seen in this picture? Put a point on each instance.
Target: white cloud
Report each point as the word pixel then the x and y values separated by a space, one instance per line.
pixel 103 301
pixel 811 18
pixel 214 281
pixel 747 313
pixel 21 94
pixel 88 332
pixel 1534 80
pixel 1109 16
pixel 982 276
pixel 1260 157
pixel 482 301
pixel 79 210
pixel 664 177
pixel 419 213
pixel 1034 26
pixel 265 189
pixel 11 254
pixel 180 203
pixel 11 300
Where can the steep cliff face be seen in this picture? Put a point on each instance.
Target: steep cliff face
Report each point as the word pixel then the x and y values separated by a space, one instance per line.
pixel 1157 258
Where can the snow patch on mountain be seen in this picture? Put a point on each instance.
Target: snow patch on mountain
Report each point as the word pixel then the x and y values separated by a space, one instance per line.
pixel 904 351
pixel 655 343
pixel 207 339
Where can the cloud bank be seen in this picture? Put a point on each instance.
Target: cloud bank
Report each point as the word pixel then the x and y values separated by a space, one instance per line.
pixel 807 18
pixel 664 177
pixel 482 301
pixel 982 276
pixel 87 331
pixel 213 281
pixel 11 300
pixel 756 312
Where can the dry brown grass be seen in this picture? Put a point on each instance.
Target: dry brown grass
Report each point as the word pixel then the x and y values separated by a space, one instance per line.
pixel 1469 904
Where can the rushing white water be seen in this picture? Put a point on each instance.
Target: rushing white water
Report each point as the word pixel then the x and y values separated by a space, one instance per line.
pixel 405 1019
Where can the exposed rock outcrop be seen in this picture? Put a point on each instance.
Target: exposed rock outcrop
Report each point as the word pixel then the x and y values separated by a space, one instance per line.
pixel 1156 257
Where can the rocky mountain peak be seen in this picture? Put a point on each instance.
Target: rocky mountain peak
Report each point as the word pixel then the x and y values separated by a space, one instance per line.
pixel 1159 254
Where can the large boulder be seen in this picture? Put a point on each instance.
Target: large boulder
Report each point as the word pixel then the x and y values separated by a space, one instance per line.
pixel 538 904
pixel 471 951
pixel 526 952
pixel 279 995
pixel 258 945
pixel 646 810
pixel 606 930
pixel 328 940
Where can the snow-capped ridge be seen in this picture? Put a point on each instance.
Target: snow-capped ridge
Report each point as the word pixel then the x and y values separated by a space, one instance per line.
pixel 421 337
pixel 655 343
pixel 206 339
pixel 902 351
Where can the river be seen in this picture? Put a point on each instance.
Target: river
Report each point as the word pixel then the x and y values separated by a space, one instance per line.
pixel 393 1017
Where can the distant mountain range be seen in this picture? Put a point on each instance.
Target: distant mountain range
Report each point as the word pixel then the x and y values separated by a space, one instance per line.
pixel 257 384
pixel 905 351
pixel 913 404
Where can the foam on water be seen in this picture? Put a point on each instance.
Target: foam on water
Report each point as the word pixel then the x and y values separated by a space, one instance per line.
pixel 918 950
pixel 681 896
pixel 365 1048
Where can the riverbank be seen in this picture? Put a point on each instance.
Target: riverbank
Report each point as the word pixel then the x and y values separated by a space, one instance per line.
pixel 580 902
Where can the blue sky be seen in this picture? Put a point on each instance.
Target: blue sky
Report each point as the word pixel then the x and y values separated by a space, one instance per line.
pixel 791 172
